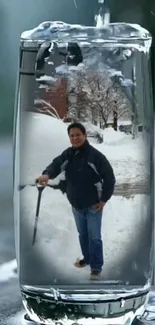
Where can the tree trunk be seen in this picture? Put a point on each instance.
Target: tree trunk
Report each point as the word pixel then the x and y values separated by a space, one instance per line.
pixel 115 120
pixel 105 122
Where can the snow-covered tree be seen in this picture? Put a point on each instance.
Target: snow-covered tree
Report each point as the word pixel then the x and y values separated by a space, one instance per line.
pixel 96 96
pixel 128 87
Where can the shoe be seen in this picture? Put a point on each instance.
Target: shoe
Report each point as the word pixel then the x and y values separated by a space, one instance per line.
pixel 80 263
pixel 95 275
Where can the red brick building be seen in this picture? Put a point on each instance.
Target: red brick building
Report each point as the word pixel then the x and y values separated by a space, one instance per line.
pixel 57 97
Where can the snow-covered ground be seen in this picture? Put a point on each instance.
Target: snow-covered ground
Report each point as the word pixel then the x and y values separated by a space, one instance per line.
pixel 129 158
pixel 123 219
pixel 46 137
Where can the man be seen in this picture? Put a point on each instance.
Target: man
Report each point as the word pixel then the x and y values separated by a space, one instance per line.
pixel 89 185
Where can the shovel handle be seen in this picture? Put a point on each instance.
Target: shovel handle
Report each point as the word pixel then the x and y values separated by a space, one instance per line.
pixel 40 187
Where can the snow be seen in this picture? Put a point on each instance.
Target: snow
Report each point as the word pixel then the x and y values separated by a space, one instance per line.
pixel 129 158
pixel 18 319
pixel 92 129
pixel 47 78
pixel 127 53
pixel 122 122
pixel 57 232
pixel 145 48
pixel 115 73
pixel 41 29
pixel 50 27
pixel 111 137
pixel 64 69
pixel 110 31
pixel 42 143
pixel 142 31
pixel 45 138
pixel 7 271
pixel 118 147
pixel 125 82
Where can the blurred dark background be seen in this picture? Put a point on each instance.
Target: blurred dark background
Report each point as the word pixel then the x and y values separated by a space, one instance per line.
pixel 15 17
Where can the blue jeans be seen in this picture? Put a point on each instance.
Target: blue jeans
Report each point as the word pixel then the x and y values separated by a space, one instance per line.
pixel 88 223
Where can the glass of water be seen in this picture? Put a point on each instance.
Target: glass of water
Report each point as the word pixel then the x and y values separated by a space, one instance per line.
pixel 83 175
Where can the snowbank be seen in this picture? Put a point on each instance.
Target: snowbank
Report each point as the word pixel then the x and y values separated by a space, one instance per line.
pixel 44 138
pixel 129 158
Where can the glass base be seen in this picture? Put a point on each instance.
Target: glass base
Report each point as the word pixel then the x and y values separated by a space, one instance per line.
pixel 44 308
pixel 129 321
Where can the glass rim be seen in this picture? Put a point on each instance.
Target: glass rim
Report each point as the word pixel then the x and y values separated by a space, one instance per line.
pixel 111 33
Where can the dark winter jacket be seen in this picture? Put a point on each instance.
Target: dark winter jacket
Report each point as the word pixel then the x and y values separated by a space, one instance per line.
pixel 89 175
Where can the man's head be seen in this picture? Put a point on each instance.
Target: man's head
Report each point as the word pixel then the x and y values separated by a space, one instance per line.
pixel 77 134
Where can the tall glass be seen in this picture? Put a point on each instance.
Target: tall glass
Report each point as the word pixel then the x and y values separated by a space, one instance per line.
pixel 84 241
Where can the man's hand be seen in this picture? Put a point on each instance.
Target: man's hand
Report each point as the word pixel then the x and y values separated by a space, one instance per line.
pixel 98 206
pixel 42 180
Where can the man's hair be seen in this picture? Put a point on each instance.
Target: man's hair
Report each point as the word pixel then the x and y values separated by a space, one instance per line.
pixel 76 125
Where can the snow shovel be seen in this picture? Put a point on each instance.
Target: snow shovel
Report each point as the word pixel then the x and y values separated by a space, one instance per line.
pixel 40 190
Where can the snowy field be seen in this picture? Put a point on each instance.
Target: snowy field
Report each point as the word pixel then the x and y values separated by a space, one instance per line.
pixel 123 219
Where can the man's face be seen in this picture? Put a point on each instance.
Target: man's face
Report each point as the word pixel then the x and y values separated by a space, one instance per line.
pixel 77 138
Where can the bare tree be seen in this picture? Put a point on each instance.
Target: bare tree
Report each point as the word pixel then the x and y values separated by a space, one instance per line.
pixel 97 96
